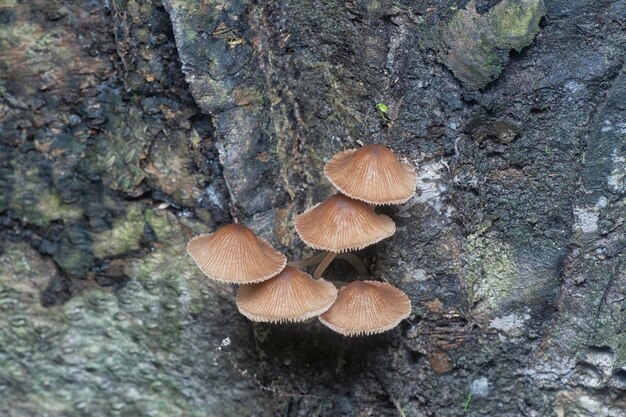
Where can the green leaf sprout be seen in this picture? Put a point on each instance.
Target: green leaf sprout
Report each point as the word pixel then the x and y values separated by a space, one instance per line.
pixel 382 107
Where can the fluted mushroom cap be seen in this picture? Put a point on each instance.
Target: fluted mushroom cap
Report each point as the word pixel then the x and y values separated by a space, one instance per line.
pixel 372 174
pixel 340 223
pixel 235 254
pixel 290 296
pixel 367 307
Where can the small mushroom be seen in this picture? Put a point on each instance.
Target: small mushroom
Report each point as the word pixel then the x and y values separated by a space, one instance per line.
pixel 291 296
pixel 372 174
pixel 235 254
pixel 367 307
pixel 340 223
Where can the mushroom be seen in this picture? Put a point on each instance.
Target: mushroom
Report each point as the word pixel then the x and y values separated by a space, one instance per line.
pixel 235 254
pixel 291 296
pixel 340 223
pixel 367 307
pixel 372 174
pixel 279 292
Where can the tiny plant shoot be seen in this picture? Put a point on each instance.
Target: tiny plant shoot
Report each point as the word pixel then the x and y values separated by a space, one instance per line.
pixel 383 112
pixel 382 108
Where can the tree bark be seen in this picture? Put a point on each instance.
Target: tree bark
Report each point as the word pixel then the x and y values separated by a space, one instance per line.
pixel 126 127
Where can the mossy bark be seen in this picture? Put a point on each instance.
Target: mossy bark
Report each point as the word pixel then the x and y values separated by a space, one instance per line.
pixel 126 127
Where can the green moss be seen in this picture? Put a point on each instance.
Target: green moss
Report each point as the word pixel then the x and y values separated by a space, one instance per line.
pixel 32 199
pixel 140 351
pixel 74 254
pixel 165 226
pixel 39 48
pixel 20 36
pixel 510 276
pixel 50 209
pixel 490 271
pixel 172 258
pixel 475 47
pixel 517 24
pixel 169 167
pixel 124 236
pixel 117 153
pixel 493 62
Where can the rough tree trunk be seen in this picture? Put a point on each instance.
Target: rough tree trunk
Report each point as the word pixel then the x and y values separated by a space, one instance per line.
pixel 126 127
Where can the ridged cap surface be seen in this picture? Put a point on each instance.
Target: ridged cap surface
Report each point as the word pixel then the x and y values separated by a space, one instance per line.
pixel 341 223
pixel 291 296
pixel 372 174
pixel 235 254
pixel 367 307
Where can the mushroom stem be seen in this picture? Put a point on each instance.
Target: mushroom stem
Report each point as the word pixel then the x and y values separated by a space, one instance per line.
pixel 355 262
pixel 325 258
pixel 311 260
pixel 324 264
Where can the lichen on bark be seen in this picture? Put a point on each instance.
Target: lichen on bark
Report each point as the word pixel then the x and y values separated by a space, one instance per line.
pixel 475 47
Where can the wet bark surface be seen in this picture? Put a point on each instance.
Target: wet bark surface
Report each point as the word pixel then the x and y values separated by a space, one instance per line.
pixel 127 127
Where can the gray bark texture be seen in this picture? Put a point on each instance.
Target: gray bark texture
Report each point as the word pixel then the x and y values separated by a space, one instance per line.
pixel 127 127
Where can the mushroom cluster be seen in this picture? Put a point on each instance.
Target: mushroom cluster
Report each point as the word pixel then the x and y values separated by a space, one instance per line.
pixel 273 290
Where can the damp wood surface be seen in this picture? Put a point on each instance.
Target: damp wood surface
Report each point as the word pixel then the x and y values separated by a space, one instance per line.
pixel 128 127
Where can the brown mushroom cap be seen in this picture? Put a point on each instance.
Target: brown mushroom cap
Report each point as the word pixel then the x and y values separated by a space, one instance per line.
pixel 372 174
pixel 367 307
pixel 235 254
pixel 340 223
pixel 290 296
